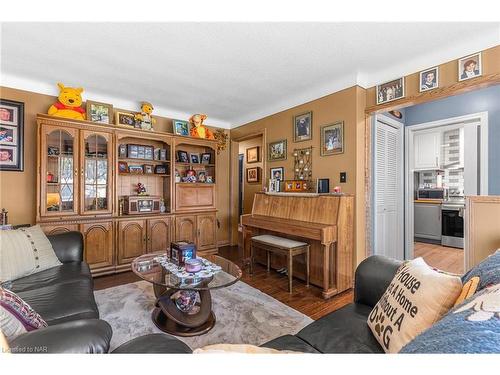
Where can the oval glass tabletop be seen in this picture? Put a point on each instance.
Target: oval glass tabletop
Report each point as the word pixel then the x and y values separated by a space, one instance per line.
pixel 156 268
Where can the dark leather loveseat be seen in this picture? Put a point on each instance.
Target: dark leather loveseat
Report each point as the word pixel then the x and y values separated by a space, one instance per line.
pixel 342 331
pixel 64 297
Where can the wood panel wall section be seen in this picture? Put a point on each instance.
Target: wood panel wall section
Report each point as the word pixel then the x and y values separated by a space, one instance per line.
pixel 111 238
pixel 482 228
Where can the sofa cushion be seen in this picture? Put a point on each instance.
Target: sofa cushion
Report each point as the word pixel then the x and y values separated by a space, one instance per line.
pixel 417 297
pixel 63 302
pixel 65 273
pixel 291 343
pixel 488 271
pixel 472 327
pixel 25 251
pixel 342 331
pixel 156 343
pixel 17 316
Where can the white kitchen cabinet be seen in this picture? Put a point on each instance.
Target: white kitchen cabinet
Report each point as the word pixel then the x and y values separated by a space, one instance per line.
pixel 427 150
pixel 427 220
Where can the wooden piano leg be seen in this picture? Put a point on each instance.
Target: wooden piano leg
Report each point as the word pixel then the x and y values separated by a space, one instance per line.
pixel 326 268
pixel 247 235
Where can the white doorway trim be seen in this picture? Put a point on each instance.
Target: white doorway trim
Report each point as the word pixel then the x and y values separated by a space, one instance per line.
pixel 400 184
pixel 480 118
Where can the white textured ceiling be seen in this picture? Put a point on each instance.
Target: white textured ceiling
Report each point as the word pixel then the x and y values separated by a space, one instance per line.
pixel 234 72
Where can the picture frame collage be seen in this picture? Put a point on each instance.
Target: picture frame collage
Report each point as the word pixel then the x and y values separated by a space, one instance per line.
pixel 11 135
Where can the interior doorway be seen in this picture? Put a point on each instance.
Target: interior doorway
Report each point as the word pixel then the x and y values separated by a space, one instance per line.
pixel 247 153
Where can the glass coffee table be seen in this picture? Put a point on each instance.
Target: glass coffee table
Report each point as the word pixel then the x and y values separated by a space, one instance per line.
pixel 184 303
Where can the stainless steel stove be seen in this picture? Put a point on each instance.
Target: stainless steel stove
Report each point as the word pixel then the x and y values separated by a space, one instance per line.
pixel 452 215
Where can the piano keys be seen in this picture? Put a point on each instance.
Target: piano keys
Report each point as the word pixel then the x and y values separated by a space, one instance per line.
pixel 325 221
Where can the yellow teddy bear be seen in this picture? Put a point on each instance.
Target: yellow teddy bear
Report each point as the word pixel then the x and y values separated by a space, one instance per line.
pixel 69 103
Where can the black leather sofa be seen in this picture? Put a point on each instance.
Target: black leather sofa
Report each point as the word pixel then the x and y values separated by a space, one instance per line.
pixel 342 331
pixel 64 297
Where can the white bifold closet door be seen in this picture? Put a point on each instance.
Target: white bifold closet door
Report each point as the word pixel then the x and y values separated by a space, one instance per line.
pixel 389 190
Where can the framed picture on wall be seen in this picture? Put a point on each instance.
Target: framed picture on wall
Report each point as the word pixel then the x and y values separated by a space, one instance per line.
pixel 99 112
pixel 125 119
pixel 429 79
pixel 253 154
pixel 11 135
pixel 392 90
pixel 302 127
pixel 332 139
pixel 277 150
pixel 470 67
pixel 181 127
pixel 253 174
pixel 278 173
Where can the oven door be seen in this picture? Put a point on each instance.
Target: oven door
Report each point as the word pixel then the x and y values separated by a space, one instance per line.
pixel 452 227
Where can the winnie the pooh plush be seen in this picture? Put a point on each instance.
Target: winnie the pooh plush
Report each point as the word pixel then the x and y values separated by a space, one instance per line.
pixel 144 118
pixel 198 129
pixel 69 104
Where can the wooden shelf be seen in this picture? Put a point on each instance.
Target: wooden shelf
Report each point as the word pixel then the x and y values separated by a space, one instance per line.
pixel 143 161
pixel 195 183
pixel 196 164
pixel 143 174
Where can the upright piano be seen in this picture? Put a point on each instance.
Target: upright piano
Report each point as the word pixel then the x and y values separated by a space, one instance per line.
pixel 325 221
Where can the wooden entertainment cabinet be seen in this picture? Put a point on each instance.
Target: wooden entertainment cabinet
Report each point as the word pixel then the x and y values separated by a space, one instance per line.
pixel 80 187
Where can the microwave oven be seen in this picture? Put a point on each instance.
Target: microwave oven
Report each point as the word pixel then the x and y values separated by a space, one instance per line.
pixel 426 193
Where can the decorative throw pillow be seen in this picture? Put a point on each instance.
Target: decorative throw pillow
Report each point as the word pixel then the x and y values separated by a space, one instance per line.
pixel 472 327
pixel 16 316
pixel 416 298
pixel 488 271
pixel 25 251
pixel 239 349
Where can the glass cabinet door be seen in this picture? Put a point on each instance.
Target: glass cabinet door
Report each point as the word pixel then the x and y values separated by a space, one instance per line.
pixel 59 171
pixel 95 173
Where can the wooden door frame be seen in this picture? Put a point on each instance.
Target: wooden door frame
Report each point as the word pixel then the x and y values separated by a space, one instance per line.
pixel 425 97
pixel 233 178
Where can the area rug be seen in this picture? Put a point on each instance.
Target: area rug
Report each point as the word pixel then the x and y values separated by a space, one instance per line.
pixel 244 315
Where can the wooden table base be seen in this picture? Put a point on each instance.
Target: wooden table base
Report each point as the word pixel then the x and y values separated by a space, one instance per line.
pixel 167 325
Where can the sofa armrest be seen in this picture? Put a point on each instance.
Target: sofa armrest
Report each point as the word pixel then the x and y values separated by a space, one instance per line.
pixel 79 336
pixel 67 246
pixel 372 278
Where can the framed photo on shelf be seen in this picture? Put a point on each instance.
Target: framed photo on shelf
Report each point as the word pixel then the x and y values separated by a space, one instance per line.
pixel 101 113
pixel 323 186
pixel 202 176
pixel 125 119
pixel 11 135
pixel 392 90
pixel 135 169
pixel 332 139
pixel 253 154
pixel 206 158
pixel 278 173
pixel 195 158
pixel 181 127
pixel 470 67
pixel 253 174
pixel 209 180
pixel 429 79
pixel 182 156
pixel 302 127
pixel 122 151
pixel 277 150
pixel 161 169
pixel 148 169
pixel 122 167
pixel 149 152
pixel 133 151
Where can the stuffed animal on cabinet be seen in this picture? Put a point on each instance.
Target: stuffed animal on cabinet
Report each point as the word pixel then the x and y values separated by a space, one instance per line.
pixel 198 129
pixel 144 118
pixel 69 103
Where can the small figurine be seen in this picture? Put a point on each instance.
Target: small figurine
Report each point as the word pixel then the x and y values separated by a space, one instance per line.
pixel 162 206
pixel 144 118
pixel 68 104
pixel 198 129
pixel 141 189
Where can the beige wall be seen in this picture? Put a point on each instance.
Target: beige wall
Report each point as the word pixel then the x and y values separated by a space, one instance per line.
pixel 18 189
pixel 249 189
pixel 347 105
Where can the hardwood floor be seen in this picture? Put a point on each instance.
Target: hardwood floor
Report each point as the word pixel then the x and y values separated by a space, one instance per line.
pixel 306 300
pixel 445 258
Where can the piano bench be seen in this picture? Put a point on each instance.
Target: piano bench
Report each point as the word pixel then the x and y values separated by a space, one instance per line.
pixel 279 245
